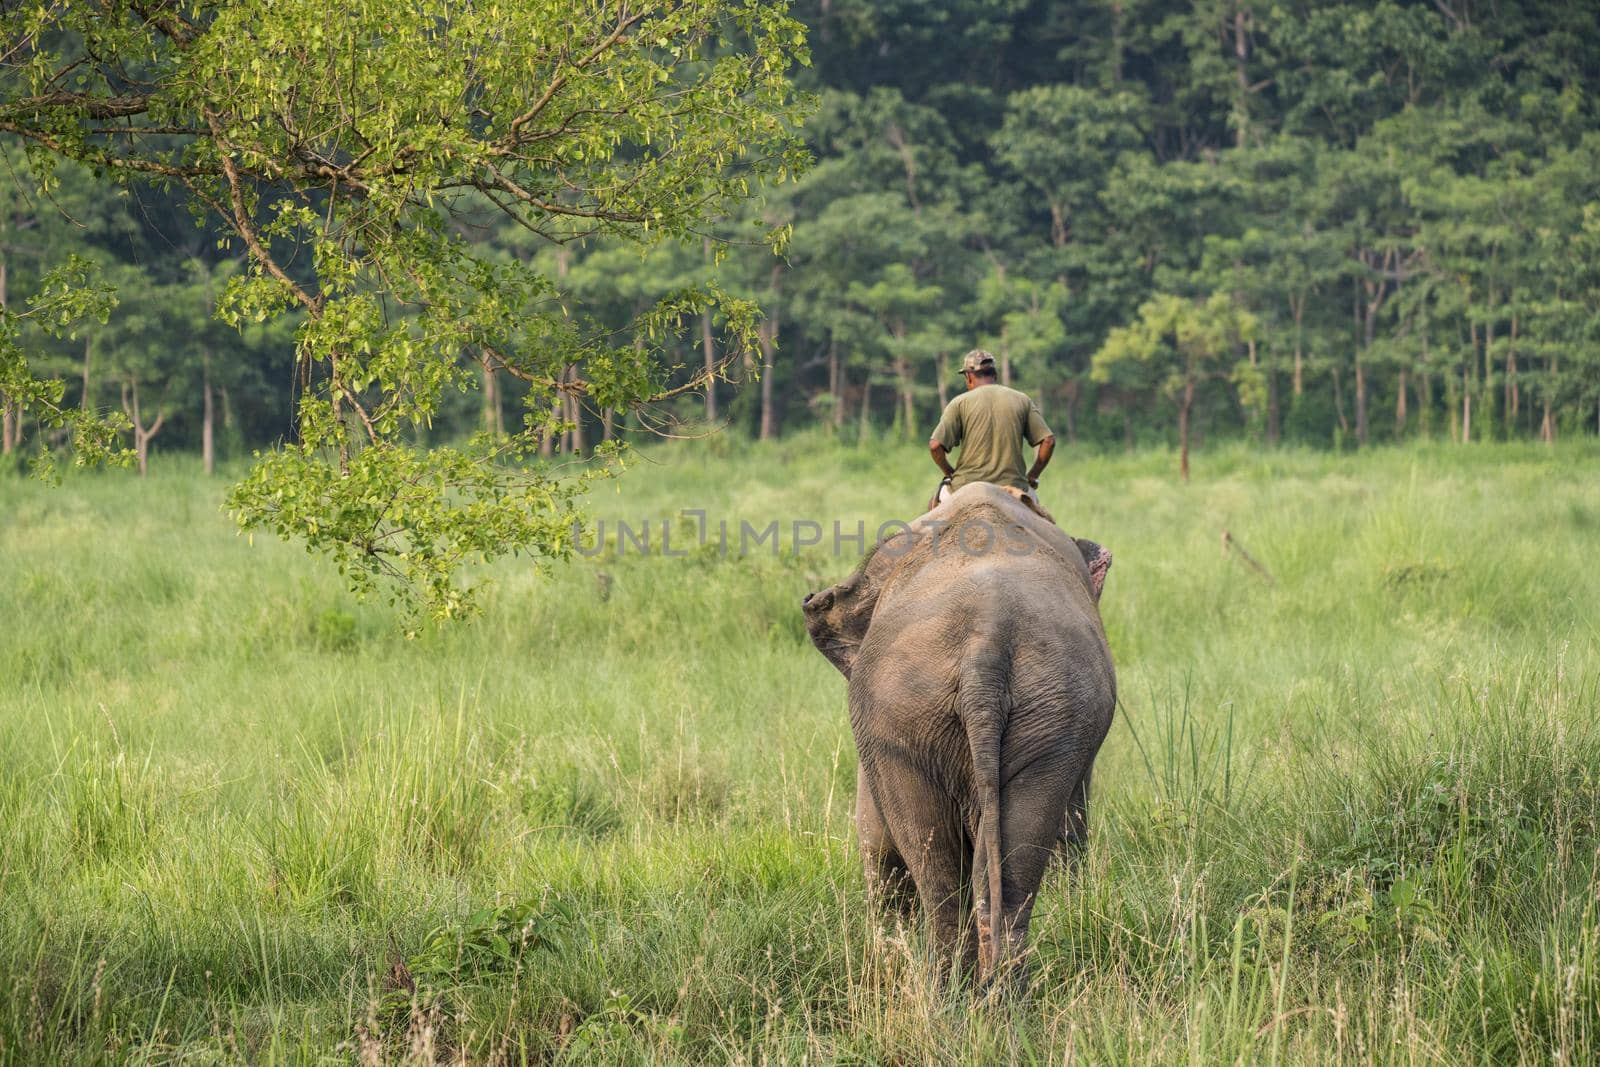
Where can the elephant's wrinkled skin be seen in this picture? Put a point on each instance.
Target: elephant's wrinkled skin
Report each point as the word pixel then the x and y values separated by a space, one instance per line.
pixel 980 689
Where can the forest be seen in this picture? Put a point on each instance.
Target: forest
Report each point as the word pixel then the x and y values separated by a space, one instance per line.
pixel 1329 223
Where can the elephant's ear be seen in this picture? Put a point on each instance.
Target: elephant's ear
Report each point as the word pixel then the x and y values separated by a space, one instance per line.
pixel 1098 559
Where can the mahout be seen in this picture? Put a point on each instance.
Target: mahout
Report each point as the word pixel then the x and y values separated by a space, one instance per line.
pixel 980 689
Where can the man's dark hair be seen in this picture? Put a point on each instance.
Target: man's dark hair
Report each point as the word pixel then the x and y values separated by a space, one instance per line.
pixel 986 372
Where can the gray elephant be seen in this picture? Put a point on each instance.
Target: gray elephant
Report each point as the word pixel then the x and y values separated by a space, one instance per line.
pixel 980 689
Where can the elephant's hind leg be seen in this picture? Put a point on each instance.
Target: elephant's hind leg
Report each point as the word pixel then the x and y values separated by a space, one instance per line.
pixel 926 826
pixel 1036 806
pixel 889 884
pixel 1075 827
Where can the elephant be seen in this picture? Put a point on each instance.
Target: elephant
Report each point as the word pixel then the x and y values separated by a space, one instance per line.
pixel 980 689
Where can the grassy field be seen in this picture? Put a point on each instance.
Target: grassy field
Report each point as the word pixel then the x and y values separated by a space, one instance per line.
pixel 1350 814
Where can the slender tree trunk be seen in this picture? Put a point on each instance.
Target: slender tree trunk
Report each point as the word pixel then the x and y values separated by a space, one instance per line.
pixel 1547 427
pixel 579 443
pixel 905 414
pixel 1005 365
pixel 1241 56
pixel 547 444
pixel 1451 406
pixel 767 333
pixel 1274 414
pixel 1363 330
pixel 10 424
pixel 865 421
pixel 1513 393
pixel 1400 406
pixel 1338 401
pixel 142 434
pixel 1183 427
pixel 1466 413
pixel 903 376
pixel 1299 346
pixel 835 383
pixel 564 409
pixel 88 356
pixel 1424 391
pixel 709 349
pixel 941 382
pixel 608 425
pixel 1486 408
pixel 1470 371
pixel 208 418
pixel 493 420
pixel 558 404
pixel 1361 402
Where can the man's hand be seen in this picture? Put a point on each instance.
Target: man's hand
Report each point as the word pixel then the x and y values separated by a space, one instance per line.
pixel 937 451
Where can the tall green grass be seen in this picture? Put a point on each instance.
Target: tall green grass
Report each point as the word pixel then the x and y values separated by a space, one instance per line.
pixel 1349 811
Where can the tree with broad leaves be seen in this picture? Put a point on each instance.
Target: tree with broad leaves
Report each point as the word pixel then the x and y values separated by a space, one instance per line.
pixel 1180 343
pixel 337 144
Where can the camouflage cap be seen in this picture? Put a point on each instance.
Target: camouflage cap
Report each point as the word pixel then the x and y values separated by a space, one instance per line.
pixel 977 362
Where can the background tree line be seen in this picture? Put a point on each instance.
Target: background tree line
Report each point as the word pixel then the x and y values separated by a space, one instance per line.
pixel 1331 223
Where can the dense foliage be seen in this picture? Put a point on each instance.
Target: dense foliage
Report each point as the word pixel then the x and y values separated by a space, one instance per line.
pixel 354 152
pixel 1400 199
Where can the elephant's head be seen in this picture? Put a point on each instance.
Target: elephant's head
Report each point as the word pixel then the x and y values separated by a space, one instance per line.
pixel 837 618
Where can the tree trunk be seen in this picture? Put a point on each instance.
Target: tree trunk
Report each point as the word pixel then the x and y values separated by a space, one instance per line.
pixel 142 434
pixel 1299 347
pixel 579 443
pixel 558 405
pixel 1424 403
pixel 493 420
pixel 1400 406
pixel 1005 366
pixel 1361 401
pixel 1274 415
pixel 1364 323
pixel 1547 427
pixel 942 382
pixel 1183 427
pixel 1451 407
pixel 1425 392
pixel 710 351
pixel 1338 402
pixel 767 333
pixel 835 383
pixel 1486 412
pixel 208 418
pixel 902 373
pixel 1466 413
pixel 1241 56
pixel 10 413
pixel 1513 393
pixel 88 354
pixel 865 422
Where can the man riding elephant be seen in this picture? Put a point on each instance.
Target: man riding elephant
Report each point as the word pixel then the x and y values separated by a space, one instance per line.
pixel 980 689
pixel 990 423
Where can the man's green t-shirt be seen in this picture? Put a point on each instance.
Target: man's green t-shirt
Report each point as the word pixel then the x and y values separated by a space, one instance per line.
pixel 989 424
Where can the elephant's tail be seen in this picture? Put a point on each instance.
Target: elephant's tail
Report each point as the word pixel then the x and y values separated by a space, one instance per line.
pixel 982 719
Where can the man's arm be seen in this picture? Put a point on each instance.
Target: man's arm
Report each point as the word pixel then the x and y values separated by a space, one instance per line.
pixel 1041 460
pixel 939 460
